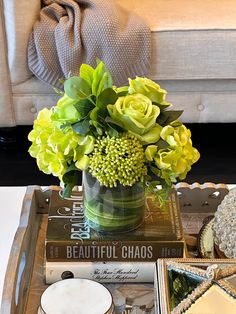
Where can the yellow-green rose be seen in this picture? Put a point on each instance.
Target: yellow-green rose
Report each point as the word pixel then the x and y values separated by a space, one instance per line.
pixel 148 88
pixel 136 114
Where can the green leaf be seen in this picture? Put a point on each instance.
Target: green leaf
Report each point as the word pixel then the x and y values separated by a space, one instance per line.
pixel 112 132
pixel 166 117
pixel 106 70
pixel 155 171
pixel 163 105
pixel 86 73
pixel 82 163
pixel 109 120
pixel 81 127
pixel 77 88
pixel 107 81
pixel 108 96
pixel 84 106
pixel 101 81
pixel 94 114
pixel 99 130
pixel 98 61
pixel 122 91
pixel 103 84
pixel 70 179
pixel 97 76
pixel 86 145
pixel 154 184
pixel 162 144
pixel 65 125
pixel 112 129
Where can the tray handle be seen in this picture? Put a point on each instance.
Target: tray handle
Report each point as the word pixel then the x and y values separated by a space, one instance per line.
pixel 21 260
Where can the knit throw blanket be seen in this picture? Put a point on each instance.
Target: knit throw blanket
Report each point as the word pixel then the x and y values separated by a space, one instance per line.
pixel 71 32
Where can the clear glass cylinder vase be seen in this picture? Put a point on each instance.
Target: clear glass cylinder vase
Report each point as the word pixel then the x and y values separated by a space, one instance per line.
pixel 113 210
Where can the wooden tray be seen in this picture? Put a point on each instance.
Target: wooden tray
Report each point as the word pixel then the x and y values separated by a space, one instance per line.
pixel 24 280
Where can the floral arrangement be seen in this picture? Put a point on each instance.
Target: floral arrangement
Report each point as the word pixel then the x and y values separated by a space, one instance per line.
pixel 120 135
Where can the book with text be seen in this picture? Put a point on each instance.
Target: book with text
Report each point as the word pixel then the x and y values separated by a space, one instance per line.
pixel 70 238
pixel 101 271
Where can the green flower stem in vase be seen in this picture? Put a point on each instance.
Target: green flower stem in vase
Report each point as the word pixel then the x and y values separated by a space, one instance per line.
pixel 109 210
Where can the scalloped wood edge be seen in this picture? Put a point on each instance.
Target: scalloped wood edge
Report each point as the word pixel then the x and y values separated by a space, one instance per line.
pixel 197 197
pixel 206 185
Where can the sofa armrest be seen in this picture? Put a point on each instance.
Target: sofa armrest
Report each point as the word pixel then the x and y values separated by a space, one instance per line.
pixel 19 16
pixel 6 112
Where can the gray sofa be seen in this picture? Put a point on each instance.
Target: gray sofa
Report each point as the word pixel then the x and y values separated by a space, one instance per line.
pixel 193 57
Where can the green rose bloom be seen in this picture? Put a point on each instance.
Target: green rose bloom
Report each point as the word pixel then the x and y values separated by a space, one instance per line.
pixel 136 114
pixel 148 88
pixel 65 111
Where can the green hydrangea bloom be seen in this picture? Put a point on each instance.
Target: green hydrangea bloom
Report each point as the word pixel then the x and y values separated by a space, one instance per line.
pixel 116 160
pixel 55 148
pixel 175 160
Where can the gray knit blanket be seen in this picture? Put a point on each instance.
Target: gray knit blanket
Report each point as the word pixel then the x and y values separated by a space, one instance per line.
pixel 71 32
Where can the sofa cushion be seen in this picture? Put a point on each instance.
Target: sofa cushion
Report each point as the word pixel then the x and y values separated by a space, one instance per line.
pixel 190 39
pixel 202 100
pixel 198 107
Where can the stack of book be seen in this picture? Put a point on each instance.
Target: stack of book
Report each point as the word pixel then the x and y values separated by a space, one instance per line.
pixel 73 249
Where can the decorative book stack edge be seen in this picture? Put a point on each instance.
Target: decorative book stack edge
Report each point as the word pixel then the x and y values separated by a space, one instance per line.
pixel 75 250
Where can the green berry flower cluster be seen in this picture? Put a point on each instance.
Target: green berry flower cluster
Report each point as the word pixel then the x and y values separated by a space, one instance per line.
pixel 118 160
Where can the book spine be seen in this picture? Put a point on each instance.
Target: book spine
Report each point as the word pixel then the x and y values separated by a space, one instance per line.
pixel 106 251
pixel 102 272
